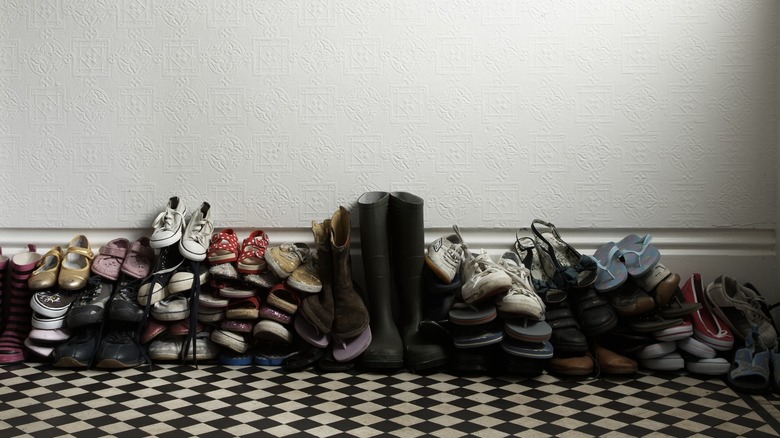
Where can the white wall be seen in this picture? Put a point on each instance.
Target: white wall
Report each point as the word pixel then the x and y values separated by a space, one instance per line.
pixel 588 113
pixel 604 117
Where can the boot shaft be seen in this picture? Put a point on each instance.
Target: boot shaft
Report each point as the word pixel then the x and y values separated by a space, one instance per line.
pixel 406 222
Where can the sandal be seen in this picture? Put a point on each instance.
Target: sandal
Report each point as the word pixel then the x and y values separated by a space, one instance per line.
pixel 639 255
pixel 110 258
pixel 243 308
pixel 223 247
pixel 525 247
pixel 750 370
pixel 251 259
pixel 284 299
pixel 139 259
pixel 560 261
pixel 612 272
pixel 74 272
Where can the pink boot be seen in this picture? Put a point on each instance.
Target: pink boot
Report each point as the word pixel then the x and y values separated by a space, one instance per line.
pixel 3 265
pixel 18 324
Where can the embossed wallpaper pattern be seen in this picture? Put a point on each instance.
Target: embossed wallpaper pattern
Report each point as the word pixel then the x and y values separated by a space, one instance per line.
pixel 586 113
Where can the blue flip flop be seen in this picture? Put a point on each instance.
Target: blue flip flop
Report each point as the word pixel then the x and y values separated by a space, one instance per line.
pixel 639 255
pixel 528 350
pixel 612 272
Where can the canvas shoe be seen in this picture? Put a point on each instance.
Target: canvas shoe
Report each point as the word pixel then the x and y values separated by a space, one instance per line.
pixel 168 225
pixel 173 308
pixel 482 278
pixel 52 303
pixel 521 299
pixel 194 243
pixel 306 278
pixel 286 258
pixel 707 327
pixel 445 256
pixel 739 307
pixel 183 280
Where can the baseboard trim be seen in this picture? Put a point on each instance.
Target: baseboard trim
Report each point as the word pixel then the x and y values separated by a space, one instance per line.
pixel 746 254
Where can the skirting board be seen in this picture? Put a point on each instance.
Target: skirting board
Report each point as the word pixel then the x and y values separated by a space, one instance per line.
pixel 745 254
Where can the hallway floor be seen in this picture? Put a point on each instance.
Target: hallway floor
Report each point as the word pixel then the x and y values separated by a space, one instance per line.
pixel 214 401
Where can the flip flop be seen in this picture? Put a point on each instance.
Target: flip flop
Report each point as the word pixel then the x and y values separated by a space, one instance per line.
pixel 309 333
pixel 329 364
pixel 528 330
pixel 303 359
pixel 652 323
pixel 475 314
pixel 612 272
pixel 638 254
pixel 528 350
pixel 678 306
pixel 348 349
pixel 478 336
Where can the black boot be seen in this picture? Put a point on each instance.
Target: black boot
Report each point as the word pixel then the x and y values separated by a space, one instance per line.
pixel 386 350
pixel 407 235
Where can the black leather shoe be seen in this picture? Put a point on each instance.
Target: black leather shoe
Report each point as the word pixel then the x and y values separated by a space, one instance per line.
pixel 592 312
pixel 567 338
pixel 124 306
pixel 90 306
pixel 118 350
pixel 77 352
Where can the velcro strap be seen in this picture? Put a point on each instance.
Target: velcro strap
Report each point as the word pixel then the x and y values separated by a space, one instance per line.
pixel 136 247
pixel 81 251
pixel 113 251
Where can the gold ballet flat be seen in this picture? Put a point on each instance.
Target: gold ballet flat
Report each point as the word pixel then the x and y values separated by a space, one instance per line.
pixel 74 272
pixel 46 270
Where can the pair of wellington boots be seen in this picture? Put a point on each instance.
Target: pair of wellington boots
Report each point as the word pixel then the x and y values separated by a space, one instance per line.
pixel 338 309
pixel 392 243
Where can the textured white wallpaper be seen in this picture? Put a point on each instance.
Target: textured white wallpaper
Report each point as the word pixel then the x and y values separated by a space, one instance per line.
pixel 586 113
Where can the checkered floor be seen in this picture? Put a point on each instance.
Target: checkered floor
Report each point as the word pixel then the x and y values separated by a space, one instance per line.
pixel 37 400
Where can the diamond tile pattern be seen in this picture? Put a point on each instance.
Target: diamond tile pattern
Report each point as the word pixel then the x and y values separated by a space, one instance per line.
pixel 213 401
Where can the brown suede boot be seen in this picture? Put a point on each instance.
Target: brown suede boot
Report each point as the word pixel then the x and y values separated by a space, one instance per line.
pixel 317 308
pixel 350 313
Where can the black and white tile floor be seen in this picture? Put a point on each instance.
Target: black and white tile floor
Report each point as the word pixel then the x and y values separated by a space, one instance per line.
pixel 214 401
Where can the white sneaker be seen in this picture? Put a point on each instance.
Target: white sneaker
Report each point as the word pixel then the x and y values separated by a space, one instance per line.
pixel 445 256
pixel 520 300
pixel 169 224
pixel 197 235
pixel 482 278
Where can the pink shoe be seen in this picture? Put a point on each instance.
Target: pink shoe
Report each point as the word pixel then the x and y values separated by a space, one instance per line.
pixel 110 259
pixel 139 259
pixel 19 321
pixel 707 327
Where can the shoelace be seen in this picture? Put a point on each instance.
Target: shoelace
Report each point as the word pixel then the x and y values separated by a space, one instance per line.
pixel 301 253
pixel 201 232
pixel 166 219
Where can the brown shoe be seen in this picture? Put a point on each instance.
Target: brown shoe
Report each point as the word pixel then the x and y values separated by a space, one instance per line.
pixel 612 363
pixel 630 300
pixel 571 366
pixel 660 282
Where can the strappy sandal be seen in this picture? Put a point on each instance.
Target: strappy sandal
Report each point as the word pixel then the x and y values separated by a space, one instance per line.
pixel 223 247
pixel 560 261
pixel 251 259
pixel 525 247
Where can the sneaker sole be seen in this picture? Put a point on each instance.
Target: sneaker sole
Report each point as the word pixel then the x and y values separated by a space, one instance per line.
pixel 172 316
pixel 48 312
pixel 441 275
pixel 69 362
pixel 303 287
pixel 225 340
pixel 115 364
